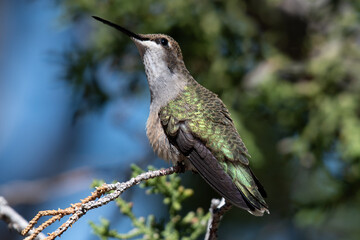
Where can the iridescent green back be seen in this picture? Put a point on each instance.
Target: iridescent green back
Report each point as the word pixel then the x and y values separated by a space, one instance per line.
pixel 209 120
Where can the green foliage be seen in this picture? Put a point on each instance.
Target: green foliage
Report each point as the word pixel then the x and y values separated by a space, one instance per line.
pixel 187 227
pixel 288 71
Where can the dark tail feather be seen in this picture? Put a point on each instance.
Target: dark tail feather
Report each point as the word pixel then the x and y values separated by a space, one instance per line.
pixel 210 169
pixel 260 187
pixel 215 175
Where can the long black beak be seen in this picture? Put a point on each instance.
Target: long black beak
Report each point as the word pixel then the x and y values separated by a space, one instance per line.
pixel 127 32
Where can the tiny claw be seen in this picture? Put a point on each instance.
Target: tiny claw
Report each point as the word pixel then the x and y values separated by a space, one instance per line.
pixel 181 167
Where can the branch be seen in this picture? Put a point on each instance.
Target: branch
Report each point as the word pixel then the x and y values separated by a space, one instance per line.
pixel 96 200
pixel 217 209
pixel 13 219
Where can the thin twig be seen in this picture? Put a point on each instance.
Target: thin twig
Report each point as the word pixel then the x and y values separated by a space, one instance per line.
pixel 217 209
pixel 13 219
pixel 95 200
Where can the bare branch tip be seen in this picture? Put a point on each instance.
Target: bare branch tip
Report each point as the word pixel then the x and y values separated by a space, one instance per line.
pixel 95 200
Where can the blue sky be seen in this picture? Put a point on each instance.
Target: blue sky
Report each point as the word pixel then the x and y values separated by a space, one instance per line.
pixel 38 139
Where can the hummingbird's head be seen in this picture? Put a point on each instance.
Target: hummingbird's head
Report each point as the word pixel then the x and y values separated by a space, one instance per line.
pixel 156 50
pixel 164 65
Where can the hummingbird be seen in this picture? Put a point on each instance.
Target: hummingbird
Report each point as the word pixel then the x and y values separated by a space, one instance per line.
pixel 190 125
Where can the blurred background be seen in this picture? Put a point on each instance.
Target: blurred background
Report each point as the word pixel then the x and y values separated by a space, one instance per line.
pixel 74 101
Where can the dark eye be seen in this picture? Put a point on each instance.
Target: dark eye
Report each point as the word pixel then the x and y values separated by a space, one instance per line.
pixel 164 41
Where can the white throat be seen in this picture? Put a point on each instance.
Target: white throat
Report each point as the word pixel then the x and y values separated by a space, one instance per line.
pixel 164 84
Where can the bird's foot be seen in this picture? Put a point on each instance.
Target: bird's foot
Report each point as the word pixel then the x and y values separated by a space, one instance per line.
pixel 181 166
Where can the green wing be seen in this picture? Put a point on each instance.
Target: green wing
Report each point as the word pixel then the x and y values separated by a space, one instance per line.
pixel 199 125
pixel 209 120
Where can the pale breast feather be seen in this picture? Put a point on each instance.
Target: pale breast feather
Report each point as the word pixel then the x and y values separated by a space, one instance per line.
pixel 159 141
